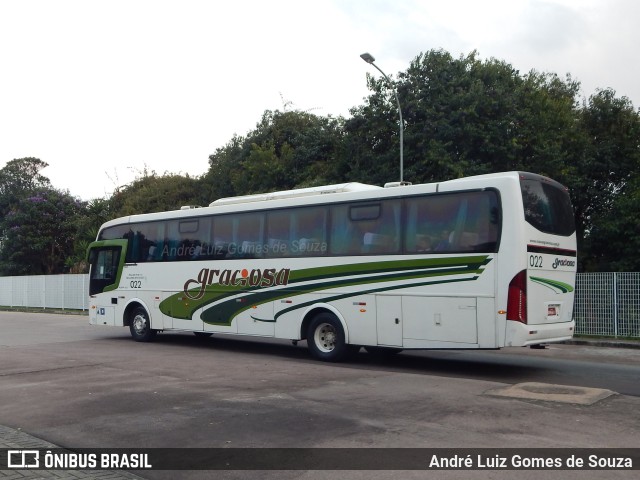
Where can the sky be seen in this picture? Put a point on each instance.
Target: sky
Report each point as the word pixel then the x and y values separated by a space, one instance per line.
pixel 104 90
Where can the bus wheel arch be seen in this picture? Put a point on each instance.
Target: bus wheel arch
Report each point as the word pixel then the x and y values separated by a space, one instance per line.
pixel 326 336
pixel 137 317
pixel 316 310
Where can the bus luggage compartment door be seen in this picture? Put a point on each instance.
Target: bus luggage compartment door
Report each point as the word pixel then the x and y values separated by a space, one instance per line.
pixel 440 319
pixel 389 320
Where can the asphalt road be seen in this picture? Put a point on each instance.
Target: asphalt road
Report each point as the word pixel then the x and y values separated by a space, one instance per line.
pixel 81 386
pixel 615 369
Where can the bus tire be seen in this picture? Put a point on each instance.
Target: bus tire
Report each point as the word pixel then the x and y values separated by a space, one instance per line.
pixel 140 326
pixel 326 339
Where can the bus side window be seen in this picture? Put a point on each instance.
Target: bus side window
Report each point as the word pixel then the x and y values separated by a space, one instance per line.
pixel 249 230
pixel 278 233
pixel 309 231
pixel 339 243
pixel 366 228
pixel 149 241
pixel 426 226
pixel 383 236
pixel 453 222
pixel 222 233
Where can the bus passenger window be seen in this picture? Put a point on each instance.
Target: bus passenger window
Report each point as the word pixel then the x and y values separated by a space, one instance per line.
pixel 238 236
pixel 278 233
pixel 366 229
pixel 309 231
pixel 452 222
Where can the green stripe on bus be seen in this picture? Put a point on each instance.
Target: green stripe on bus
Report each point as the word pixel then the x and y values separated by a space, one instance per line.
pixel 553 284
pixel 223 313
pixel 242 298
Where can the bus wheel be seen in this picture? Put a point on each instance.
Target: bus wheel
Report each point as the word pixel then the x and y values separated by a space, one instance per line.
pixel 326 338
pixel 140 326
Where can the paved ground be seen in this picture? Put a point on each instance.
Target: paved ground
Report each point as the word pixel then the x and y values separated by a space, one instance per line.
pixel 81 386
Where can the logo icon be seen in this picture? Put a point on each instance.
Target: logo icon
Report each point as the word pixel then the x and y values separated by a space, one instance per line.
pixel 23 459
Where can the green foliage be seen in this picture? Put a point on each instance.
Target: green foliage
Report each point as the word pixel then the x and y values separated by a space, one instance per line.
pixel 22 174
pixel 286 150
pixel 463 117
pixel 44 230
pixel 153 193
pixel 39 233
pixel 19 177
pixel 605 180
pixel 86 224
pixel 613 242
pixel 466 117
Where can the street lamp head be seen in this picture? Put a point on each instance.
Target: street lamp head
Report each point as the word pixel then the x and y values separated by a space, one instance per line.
pixel 367 57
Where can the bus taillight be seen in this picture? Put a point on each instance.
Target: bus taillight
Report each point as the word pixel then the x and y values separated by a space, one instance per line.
pixel 517 301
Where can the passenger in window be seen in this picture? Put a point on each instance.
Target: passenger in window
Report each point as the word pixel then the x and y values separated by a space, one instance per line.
pixel 364 239
pixel 444 243
pixel 151 254
pixel 196 250
pixel 423 244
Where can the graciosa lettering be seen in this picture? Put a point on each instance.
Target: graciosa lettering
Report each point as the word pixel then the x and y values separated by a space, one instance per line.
pixel 267 277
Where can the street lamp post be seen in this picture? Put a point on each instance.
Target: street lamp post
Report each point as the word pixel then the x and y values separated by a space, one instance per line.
pixel 367 57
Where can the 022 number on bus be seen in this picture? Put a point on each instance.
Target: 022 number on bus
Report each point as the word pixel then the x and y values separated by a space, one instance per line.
pixel 535 261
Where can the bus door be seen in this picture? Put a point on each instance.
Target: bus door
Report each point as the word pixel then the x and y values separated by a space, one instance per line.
pixel 106 259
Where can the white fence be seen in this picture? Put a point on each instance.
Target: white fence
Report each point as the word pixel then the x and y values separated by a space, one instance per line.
pixel 45 291
pixel 607 304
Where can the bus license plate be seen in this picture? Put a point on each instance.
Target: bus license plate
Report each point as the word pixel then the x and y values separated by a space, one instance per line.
pixel 553 311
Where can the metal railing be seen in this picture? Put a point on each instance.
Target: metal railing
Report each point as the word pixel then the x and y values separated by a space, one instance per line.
pixel 606 304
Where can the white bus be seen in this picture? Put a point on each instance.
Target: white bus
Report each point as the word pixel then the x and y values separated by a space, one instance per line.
pixel 479 263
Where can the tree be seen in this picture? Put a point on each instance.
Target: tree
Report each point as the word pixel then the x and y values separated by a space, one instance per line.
pixel 613 242
pixel 286 150
pixel 39 233
pixel 462 117
pixel 86 224
pixel 22 174
pixel 19 177
pixel 303 144
pixel 222 163
pixel 604 181
pixel 154 193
